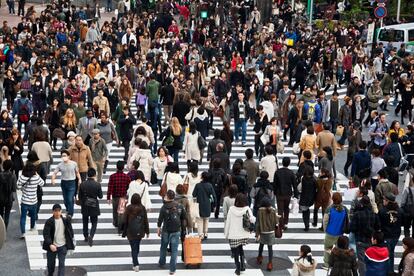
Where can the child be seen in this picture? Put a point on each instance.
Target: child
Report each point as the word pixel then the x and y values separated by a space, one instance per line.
pixel 140 101
pixel 305 265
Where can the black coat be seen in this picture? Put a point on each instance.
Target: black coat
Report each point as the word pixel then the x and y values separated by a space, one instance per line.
pixel 308 193
pixel 126 126
pixel 284 182
pixel 90 189
pixel 236 111
pixel 49 234
pixel 167 94
pixel 343 262
pixel 224 160
pixel 204 192
pixel 211 148
pixel 180 109
pixel 7 188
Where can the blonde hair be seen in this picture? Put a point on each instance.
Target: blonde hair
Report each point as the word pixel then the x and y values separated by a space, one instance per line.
pixel 175 126
pixel 68 121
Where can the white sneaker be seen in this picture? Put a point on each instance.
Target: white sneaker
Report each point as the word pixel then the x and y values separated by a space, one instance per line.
pixel 136 268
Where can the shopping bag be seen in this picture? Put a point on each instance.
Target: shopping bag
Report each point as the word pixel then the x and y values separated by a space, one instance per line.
pixel 294 206
pixel 296 148
pixel 339 130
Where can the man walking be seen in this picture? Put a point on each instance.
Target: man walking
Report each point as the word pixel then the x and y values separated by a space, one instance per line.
pixel 117 188
pixel 240 107
pixel 99 152
pixel 58 239
pixel 89 192
pixel 81 154
pixel 172 219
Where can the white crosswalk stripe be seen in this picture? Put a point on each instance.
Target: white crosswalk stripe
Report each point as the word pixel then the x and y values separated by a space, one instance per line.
pixel 111 253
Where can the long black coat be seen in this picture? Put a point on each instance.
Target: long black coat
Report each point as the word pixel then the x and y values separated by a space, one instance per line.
pixel 92 189
pixel 308 193
pixel 204 191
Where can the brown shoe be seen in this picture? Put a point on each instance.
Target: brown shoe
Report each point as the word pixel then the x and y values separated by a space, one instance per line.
pixel 259 260
pixel 269 266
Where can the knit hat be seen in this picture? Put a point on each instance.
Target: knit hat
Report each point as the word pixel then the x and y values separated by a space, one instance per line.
pixel 390 197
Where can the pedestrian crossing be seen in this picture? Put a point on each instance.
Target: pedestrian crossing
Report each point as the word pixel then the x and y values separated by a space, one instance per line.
pixel 110 254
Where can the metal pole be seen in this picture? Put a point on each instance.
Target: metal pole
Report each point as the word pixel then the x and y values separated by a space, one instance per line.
pixel 293 5
pixel 310 3
pixel 398 10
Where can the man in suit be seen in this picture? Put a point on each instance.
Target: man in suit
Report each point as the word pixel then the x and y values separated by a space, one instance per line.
pixel 86 125
pixel 243 46
pixel 212 145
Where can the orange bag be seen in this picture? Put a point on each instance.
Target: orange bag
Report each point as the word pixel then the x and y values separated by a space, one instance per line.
pixel 193 254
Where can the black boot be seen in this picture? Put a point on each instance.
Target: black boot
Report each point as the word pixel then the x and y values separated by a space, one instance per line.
pixel 306 218
pixel 242 263
pixel 315 218
pixel 237 262
pixel 385 106
pixel 105 166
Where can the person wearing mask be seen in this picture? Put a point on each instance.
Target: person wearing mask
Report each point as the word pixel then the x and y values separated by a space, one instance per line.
pixel 305 265
pixel 323 195
pixel 361 164
pixel 86 125
pixel 70 180
pixel 58 238
pixel 406 266
pixel 269 162
pixel 81 154
pixel 171 227
pixel 7 188
pixel 240 110
pixel 342 259
pixel 99 152
pixel 335 222
pixel 267 221
pixel 377 256
pixel 391 218
pixel 234 231
pixel 206 198
pixel 117 188
pixel 126 123
pixel 284 186
pixel 307 190
pixel 383 188
pixel 135 227
pixel 363 224
pixel 89 192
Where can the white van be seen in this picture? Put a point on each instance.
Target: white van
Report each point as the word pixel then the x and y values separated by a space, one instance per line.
pixel 397 35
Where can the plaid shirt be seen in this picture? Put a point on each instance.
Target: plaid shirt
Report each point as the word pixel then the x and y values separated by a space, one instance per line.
pixel 118 185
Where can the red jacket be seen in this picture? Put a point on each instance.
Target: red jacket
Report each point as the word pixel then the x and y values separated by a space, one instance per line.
pixel 347 63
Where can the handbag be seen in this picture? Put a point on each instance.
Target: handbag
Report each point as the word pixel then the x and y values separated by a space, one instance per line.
pixel 409 207
pixel 247 225
pixel 278 231
pixel 122 205
pixel 186 185
pixel 163 190
pixel 339 130
pixel 280 148
pixel 403 161
pixel 202 144
pixel 296 148
pixel 59 133
pixel 91 202
pixel 154 177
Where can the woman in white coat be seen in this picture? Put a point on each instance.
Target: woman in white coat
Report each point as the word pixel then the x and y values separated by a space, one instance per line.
pixel 234 231
pixel 192 178
pixel 192 151
pixel 305 265
pixel 144 157
pixel 172 176
pixel 140 186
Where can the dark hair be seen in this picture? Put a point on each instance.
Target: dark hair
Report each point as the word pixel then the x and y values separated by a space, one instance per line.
pixel 328 151
pixel 269 150
pixel 65 151
pixel 217 133
pixel 378 236
pixel 233 190
pixel 29 170
pixel 170 194
pixel 193 168
pixel 241 200
pixel 7 165
pixel 140 175
pixel 143 145
pixel 383 173
pixel 162 148
pixel 236 168
pixel 286 161
pixel 310 130
pixel 32 156
pixel 394 137
pixel 264 175
pixel 376 152
pixel 136 199
pixel 173 167
pixel 326 126
pixel 91 172
pixel 325 172
pixel 306 253
pixel 180 189
pixel 308 172
pixel 307 154
pixel 409 242
pixel 216 163
pixel 205 176
pixel 120 165
pixel 343 242
pixel 249 153
pixel 337 198
pixel 362 145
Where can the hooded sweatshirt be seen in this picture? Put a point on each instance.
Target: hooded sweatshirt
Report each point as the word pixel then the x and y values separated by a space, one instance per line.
pixel 302 267
pixel 233 229
pixel 376 260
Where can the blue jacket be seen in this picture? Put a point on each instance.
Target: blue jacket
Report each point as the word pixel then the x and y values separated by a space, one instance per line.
pixel 393 149
pixel 317 117
pixel 19 102
pixel 376 260
pixel 336 220
pixel 361 160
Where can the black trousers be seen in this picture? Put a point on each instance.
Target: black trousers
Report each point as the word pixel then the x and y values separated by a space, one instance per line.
pixel 94 222
pixel 283 208
pixel 306 217
pixel 51 261
pixel 5 212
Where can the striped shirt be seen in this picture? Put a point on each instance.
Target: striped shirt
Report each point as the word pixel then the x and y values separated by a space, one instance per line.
pixel 29 188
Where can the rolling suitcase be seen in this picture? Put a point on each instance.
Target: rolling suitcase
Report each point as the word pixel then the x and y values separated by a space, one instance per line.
pixel 193 255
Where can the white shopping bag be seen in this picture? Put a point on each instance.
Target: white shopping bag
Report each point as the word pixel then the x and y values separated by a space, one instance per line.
pixel 294 206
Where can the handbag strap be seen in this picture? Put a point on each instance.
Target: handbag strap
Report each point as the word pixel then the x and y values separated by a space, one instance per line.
pixel 411 195
pixel 145 187
pixel 399 146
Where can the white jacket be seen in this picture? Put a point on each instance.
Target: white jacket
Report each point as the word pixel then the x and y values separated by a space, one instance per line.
pixel 141 188
pixel 233 229
pixel 144 157
pixel 269 164
pixel 192 151
pixel 172 179
pixel 302 267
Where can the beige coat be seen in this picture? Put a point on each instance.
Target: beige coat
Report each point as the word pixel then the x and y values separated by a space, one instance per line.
pixel 102 103
pixel 308 142
pixel 82 157
pixel 326 139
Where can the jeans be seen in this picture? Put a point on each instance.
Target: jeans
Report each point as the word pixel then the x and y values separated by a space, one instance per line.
pixel 361 247
pixel 269 249
pixel 94 222
pixel 135 251
pixel 68 192
pixel 173 239
pixel 32 213
pixel 5 212
pixel 240 123
pixel 391 243
pixel 344 136
pixel 51 261
pixel 174 154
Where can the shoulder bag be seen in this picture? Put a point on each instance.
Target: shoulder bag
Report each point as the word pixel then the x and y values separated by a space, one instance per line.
pixel 163 190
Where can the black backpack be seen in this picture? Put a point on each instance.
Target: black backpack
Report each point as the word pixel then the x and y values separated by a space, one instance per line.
pixel 136 226
pixel 218 179
pixel 262 193
pixel 173 219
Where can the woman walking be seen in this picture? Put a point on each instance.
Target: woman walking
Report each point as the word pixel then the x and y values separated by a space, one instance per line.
pixel 206 197
pixel 172 139
pixel 28 182
pixel 235 232
pixel 307 189
pixel 140 186
pixel 305 265
pixel 228 201
pixel 342 259
pixel 267 220
pixel 406 266
pixel 323 195
pixel 136 226
pixel 15 144
pixel 191 149
pixel 160 163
